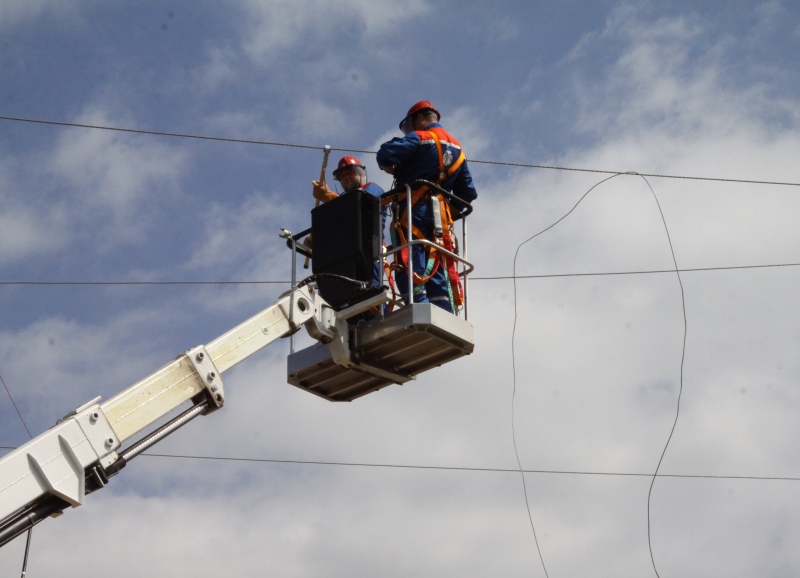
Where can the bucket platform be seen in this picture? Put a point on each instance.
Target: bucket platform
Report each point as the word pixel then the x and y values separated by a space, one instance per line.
pixel 348 252
pixel 395 349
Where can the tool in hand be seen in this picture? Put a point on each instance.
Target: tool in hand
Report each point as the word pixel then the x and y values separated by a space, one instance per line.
pixel 321 182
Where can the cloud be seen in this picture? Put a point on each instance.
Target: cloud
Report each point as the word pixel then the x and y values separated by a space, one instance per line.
pixel 221 68
pixel 278 26
pixel 28 226
pixel 91 185
pixel 315 119
pixel 15 13
pixel 112 179
pixel 598 362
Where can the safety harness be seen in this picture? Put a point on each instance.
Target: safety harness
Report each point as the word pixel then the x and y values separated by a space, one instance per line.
pixel 443 234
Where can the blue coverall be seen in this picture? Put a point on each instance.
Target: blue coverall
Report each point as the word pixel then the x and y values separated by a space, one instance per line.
pixel 415 157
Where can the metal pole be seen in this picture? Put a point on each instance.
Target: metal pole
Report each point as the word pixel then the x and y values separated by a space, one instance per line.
pixel 466 280
pixel 294 284
pixel 27 550
pixel 162 432
pixel 409 249
pixel 382 259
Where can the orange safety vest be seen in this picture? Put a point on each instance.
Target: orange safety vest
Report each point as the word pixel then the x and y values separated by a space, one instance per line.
pixel 443 221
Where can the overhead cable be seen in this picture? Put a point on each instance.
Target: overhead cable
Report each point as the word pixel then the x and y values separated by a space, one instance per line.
pixel 30 530
pixel 458 468
pixel 14 403
pixel 494 278
pixel 316 147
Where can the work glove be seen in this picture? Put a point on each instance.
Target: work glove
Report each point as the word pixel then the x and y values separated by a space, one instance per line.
pixel 323 192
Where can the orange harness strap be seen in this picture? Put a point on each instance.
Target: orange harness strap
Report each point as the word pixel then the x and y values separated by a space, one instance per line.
pixel 434 257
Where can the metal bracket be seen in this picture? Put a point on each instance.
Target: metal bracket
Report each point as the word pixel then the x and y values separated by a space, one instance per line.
pixel 322 326
pixel 98 431
pixel 210 376
pixel 340 345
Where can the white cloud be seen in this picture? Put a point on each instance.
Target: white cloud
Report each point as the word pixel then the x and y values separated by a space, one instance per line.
pixel 315 119
pixel 91 184
pixel 13 13
pixel 598 362
pixel 220 69
pixel 112 180
pixel 280 25
pixel 239 124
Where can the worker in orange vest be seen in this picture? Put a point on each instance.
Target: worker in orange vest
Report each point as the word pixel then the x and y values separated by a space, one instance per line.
pixel 429 152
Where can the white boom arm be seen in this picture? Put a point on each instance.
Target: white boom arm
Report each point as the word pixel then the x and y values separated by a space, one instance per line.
pixel 53 470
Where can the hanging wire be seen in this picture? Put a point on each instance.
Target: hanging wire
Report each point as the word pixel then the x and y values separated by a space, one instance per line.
pixel 514 367
pixel 680 390
pixel 683 354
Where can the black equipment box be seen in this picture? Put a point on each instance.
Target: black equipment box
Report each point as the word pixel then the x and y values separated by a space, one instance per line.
pixel 346 235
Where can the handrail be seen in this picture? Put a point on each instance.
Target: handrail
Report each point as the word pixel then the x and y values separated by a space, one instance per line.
pixel 469 267
pixel 293 240
pixel 422 182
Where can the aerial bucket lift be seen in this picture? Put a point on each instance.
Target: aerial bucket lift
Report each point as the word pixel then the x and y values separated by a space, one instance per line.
pixel 78 456
pixel 394 347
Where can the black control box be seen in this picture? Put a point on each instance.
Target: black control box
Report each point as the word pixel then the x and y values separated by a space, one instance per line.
pixel 346 235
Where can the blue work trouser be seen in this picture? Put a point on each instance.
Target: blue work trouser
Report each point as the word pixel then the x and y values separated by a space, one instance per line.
pixel 434 291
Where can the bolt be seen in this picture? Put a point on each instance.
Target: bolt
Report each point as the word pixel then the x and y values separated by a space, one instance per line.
pixel 211 376
pixel 214 388
pixel 199 357
pixel 109 442
pixel 94 417
pixel 265 330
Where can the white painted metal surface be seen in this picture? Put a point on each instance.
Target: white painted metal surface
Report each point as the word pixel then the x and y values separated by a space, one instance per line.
pixel 55 462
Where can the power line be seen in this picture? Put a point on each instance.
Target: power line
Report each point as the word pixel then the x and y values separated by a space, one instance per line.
pixel 693 270
pixel 315 147
pixel 459 468
pixel 490 278
pixel 468 469
pixel 144 282
pixel 8 391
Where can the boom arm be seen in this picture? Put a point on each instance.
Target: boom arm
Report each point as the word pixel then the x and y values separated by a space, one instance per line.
pixel 76 456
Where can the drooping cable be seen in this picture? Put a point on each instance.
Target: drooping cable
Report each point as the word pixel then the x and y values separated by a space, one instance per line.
pixel 514 369
pixel 316 147
pixel 683 353
pixel 680 390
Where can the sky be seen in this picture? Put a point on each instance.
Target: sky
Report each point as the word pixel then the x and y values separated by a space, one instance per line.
pixel 701 89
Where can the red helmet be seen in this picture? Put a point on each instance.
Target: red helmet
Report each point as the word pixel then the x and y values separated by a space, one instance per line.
pixel 419 107
pixel 347 162
pixel 351 179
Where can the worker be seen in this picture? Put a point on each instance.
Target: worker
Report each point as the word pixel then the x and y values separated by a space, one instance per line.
pixel 351 174
pixel 429 152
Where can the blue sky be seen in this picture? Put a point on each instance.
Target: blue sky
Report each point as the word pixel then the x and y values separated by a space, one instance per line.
pixel 703 89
